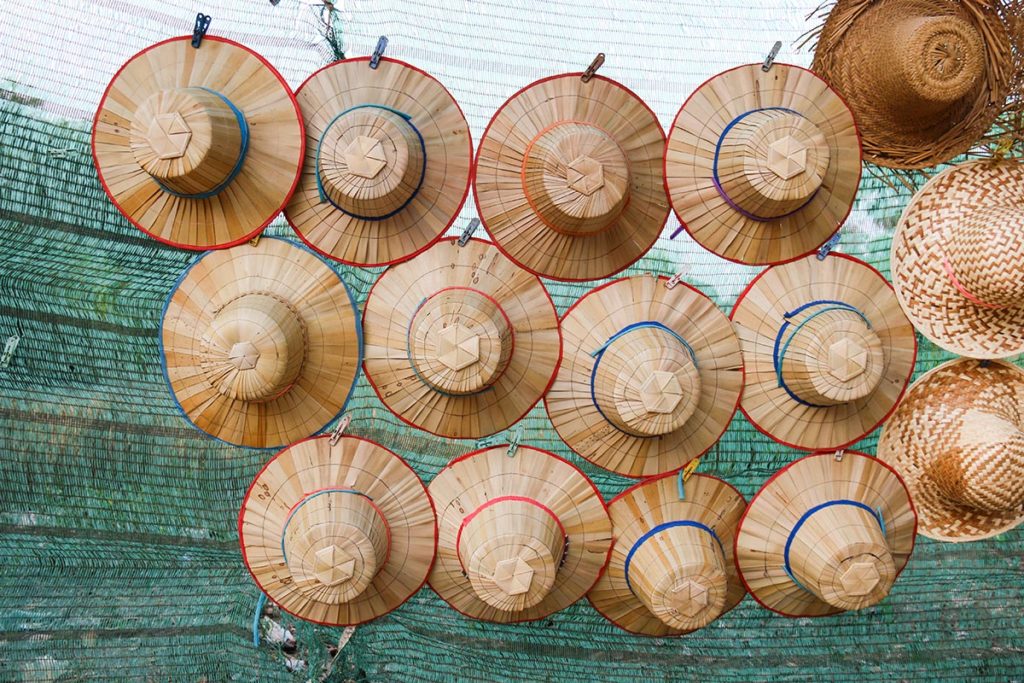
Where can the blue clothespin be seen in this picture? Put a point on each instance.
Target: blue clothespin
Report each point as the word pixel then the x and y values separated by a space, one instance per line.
pixel 770 59
pixel 467 233
pixel 382 43
pixel 202 25
pixel 826 248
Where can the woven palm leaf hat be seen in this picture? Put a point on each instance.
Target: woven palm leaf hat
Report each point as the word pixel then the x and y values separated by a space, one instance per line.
pixel 958 259
pixel 650 378
pixel 671 570
pixel 828 351
pixel 460 341
pixel 763 167
pixel 520 537
pixel 827 533
pixel 568 177
pixel 925 78
pixel 958 440
pixel 198 147
pixel 337 534
pixel 388 159
pixel 260 345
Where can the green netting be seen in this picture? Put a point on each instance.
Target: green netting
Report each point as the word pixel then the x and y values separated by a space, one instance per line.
pixel 118 520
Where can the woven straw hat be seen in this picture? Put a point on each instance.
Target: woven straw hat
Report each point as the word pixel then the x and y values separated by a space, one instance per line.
pixel 763 167
pixel 958 440
pixel 958 259
pixel 651 376
pixel 827 348
pixel 671 570
pixel 260 345
pixel 460 341
pixel 387 165
pixel 337 534
pixel 828 533
pixel 569 180
pixel 198 147
pixel 519 537
pixel 924 78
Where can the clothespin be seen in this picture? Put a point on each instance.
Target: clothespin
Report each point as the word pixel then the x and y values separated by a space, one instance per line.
pixel 770 59
pixel 592 69
pixel 340 429
pixel 825 249
pixel 382 44
pixel 839 455
pixel 256 240
pixel 9 347
pixel 513 445
pixel 202 25
pixel 467 232
pixel 684 476
pixel 485 442
pixel 677 278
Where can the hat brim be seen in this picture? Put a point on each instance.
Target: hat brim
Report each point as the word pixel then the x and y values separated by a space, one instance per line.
pixel 775 509
pixel 472 479
pixel 448 150
pixel 757 315
pixel 333 333
pixel 355 463
pixel 272 163
pixel 505 209
pixel 690 154
pixel 908 443
pixel 928 296
pixel 592 321
pixel 708 500
pixel 394 300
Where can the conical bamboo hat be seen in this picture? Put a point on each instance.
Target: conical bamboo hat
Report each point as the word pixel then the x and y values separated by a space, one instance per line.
pixel 958 259
pixel 827 533
pixel 388 159
pixel 651 376
pixel 958 440
pixel 671 570
pixel 198 147
pixel 337 534
pixel 925 78
pixel 261 345
pixel 763 167
pixel 828 351
pixel 568 178
pixel 519 537
pixel 460 341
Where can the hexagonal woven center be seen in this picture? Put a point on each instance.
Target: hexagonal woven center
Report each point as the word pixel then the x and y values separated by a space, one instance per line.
pixel 860 578
pixel 244 355
pixel 513 576
pixel 168 135
pixel 332 565
pixel 661 393
pixel 584 175
pixel 457 347
pixel 846 360
pixel 787 157
pixel 365 157
pixel 689 598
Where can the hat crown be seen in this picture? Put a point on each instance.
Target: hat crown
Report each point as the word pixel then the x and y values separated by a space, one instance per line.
pixel 985 254
pixel 930 62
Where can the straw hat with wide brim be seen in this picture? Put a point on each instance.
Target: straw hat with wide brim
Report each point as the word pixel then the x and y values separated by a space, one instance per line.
pixel 519 537
pixel 337 534
pixel 198 147
pixel 958 259
pixel 828 533
pixel 828 351
pixel 650 379
pixel 568 178
pixel 958 440
pixel 460 341
pixel 261 345
pixel 925 78
pixel 763 167
pixel 388 159
pixel 671 570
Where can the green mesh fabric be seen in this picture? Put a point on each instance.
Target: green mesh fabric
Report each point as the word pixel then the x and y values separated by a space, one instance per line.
pixel 118 520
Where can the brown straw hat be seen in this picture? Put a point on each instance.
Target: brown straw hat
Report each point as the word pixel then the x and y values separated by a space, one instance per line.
pixel 827 533
pixel 260 345
pixel 958 259
pixel 198 147
pixel 568 177
pixel 388 159
pixel 337 534
pixel 460 341
pixel 925 78
pixel 671 570
pixel 958 440
pixel 519 537
pixel 651 376
pixel 827 348
pixel 762 167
